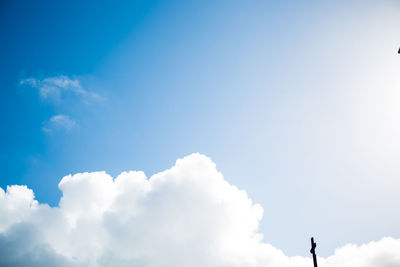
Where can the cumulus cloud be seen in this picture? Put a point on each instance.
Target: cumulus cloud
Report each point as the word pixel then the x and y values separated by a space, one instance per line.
pixel 188 215
pixel 61 87
pixel 58 122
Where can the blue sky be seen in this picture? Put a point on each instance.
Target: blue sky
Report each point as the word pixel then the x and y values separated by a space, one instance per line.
pixel 295 102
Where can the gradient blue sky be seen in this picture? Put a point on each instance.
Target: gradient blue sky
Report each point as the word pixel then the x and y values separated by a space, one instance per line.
pixel 296 102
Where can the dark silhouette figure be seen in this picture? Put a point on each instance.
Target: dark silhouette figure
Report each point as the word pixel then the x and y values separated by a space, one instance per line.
pixel 398 51
pixel 312 251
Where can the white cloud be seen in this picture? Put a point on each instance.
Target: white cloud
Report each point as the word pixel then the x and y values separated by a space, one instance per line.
pixel 185 216
pixel 58 122
pixel 63 91
pixel 61 87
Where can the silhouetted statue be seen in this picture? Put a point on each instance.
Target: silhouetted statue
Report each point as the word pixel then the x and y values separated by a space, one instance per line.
pixel 314 256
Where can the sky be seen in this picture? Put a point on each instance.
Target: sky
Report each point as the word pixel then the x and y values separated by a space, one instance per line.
pixel 296 103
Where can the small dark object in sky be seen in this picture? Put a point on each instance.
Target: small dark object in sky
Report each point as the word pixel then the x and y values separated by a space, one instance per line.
pixel 312 251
